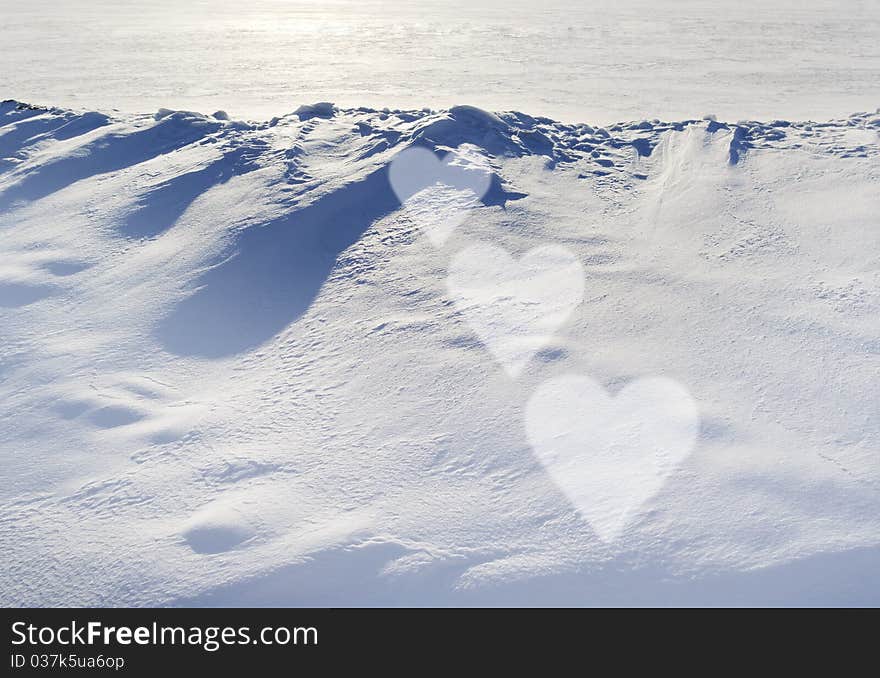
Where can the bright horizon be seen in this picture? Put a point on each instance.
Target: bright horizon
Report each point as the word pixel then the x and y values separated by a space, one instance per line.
pixel 602 63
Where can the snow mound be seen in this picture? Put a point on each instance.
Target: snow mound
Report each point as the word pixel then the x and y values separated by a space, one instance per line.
pixel 216 529
pixel 324 109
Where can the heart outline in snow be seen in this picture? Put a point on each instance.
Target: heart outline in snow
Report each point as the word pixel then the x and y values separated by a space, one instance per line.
pixel 610 455
pixel 515 307
pixel 438 193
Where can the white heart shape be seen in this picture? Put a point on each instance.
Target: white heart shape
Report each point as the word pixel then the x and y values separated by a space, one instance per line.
pixel 437 193
pixel 611 455
pixel 515 307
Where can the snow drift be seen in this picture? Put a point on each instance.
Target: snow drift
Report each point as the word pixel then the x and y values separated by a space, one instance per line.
pixel 231 372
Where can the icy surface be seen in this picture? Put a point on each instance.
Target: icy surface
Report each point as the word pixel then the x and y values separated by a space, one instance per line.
pixel 231 373
pixel 573 60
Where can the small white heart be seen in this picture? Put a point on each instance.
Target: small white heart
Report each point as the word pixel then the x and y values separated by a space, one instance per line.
pixel 609 455
pixel 515 306
pixel 438 193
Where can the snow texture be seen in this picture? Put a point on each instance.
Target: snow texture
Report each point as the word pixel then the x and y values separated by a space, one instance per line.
pixel 232 372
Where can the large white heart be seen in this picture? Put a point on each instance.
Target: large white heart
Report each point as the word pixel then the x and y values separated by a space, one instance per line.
pixel 610 455
pixel 438 193
pixel 513 306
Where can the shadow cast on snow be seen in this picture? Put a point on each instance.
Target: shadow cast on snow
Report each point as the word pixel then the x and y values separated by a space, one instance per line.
pixel 160 208
pixel 109 153
pixel 274 274
pixel 277 269
pixel 31 130
pixel 354 577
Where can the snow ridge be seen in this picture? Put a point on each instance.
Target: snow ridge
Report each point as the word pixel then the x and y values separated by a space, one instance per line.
pixel 601 151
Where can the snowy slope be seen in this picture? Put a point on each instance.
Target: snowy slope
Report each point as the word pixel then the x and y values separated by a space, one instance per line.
pixel 231 371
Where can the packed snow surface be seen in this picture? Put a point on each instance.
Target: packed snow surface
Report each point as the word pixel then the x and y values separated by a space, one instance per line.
pixel 573 60
pixel 231 371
